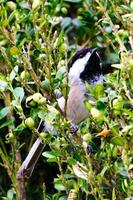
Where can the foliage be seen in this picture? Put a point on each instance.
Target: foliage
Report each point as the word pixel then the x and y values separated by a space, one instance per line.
pixel 37 41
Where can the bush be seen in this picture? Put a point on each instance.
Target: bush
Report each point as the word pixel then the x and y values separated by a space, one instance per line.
pixel 37 42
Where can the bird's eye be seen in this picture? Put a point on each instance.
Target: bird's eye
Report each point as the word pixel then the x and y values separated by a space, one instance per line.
pixel 81 56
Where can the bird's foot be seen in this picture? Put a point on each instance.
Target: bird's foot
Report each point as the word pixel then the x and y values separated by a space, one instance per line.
pixel 74 129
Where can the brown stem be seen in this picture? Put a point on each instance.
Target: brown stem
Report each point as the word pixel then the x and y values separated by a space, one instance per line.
pixel 18 184
pixel 33 74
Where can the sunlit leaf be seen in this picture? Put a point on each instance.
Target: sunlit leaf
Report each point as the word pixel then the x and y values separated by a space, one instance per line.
pixel 113 194
pixel 60 73
pixel 14 51
pixel 3 85
pixel 73 1
pixel 59 187
pixel 77 23
pixel 66 22
pixel 80 171
pixel 35 4
pixel 49 154
pixel 19 93
pixel 117 140
pixel 25 5
pixel 10 194
pixel 4 112
pixel 13 73
pixel 89 87
pixel 99 91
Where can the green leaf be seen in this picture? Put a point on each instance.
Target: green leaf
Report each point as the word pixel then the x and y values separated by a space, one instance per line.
pixel 5 22
pixel 13 73
pixel 71 161
pixel 128 112
pixel 66 22
pixel 19 128
pixel 103 171
pixel 123 171
pixel 19 93
pixel 59 187
pixel 45 85
pixel 3 85
pixel 4 112
pixel 118 66
pixel 77 23
pixel 60 39
pixel 125 8
pixel 99 91
pixel 34 113
pixel 113 194
pixel 63 198
pixel 49 154
pixel 58 184
pixel 117 140
pixel 10 194
pixel 7 123
pixel 14 51
pixel 73 1
pixel 88 105
pixel 41 114
pixel 89 87
pixel 60 73
pixel 69 176
pixel 25 5
pixel 35 4
pixel 101 106
pixel 16 104
pixel 50 160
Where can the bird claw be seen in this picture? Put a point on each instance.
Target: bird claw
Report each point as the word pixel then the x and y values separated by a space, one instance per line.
pixel 74 129
pixel 89 149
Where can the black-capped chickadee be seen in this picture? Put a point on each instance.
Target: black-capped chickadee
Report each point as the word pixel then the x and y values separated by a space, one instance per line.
pixel 85 67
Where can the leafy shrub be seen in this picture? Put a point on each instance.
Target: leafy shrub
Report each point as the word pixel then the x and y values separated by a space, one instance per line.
pixel 37 39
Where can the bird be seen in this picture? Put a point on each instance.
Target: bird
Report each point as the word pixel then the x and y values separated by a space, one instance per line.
pixel 86 66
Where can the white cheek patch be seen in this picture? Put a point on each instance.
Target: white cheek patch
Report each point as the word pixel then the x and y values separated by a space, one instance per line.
pixel 78 67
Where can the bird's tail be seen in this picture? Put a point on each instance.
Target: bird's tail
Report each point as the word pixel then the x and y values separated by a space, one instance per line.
pixel 29 163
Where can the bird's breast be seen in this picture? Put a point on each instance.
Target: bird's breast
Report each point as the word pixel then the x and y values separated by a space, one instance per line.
pixel 76 111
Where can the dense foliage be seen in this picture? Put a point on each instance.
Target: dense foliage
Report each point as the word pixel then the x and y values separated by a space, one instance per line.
pixel 37 41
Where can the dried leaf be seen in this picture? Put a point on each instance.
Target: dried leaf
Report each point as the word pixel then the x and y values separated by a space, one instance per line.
pixel 104 133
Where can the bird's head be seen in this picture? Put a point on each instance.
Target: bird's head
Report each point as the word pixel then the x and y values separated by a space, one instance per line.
pixel 86 66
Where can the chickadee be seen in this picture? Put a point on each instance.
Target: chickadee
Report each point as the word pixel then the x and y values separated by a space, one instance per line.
pixel 85 67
